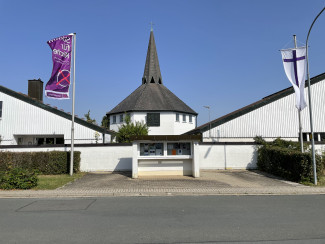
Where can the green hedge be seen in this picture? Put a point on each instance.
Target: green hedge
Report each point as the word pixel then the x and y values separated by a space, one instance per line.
pixel 48 163
pixel 288 163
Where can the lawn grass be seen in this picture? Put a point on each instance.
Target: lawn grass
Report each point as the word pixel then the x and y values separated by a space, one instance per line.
pixel 320 182
pixel 50 182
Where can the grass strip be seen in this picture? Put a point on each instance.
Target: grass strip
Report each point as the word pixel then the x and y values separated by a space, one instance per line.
pixel 50 182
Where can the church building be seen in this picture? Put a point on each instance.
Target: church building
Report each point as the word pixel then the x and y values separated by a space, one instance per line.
pixel 153 103
pixel 271 117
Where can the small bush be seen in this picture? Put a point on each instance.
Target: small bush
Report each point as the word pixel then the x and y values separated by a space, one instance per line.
pixel 18 178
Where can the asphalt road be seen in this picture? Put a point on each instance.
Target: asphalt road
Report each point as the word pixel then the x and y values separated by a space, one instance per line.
pixel 191 219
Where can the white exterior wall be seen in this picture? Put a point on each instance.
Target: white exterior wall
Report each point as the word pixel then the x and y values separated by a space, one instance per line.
pixel 168 123
pixel 228 156
pixel 93 158
pixel 119 158
pixel 276 119
pixel 22 118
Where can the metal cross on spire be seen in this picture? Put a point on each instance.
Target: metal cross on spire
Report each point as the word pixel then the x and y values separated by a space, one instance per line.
pixel 151 24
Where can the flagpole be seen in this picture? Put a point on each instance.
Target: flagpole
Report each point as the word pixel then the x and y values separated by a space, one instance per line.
pixel 73 103
pixel 310 107
pixel 299 111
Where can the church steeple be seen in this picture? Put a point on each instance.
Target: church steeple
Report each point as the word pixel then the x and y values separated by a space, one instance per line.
pixel 152 70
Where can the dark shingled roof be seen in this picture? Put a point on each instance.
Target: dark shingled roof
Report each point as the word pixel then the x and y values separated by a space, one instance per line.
pixel 151 72
pixel 152 95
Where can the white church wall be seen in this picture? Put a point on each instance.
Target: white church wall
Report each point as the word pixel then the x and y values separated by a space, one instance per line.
pixel 118 157
pixel 223 156
pixel 168 123
pixel 94 158
pixel 20 118
pixel 276 119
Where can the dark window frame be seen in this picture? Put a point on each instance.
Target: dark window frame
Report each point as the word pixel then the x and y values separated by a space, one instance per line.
pixel 153 119
pixel 177 117
pixel 1 109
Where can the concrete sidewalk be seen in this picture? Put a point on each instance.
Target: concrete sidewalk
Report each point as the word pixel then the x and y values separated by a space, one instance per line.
pixel 211 182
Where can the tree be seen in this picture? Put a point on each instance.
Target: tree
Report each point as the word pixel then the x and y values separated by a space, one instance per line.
pixel 105 122
pixel 129 129
pixel 88 119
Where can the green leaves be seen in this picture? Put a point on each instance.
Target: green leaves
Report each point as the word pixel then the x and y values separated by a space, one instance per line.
pixel 284 159
pixel 129 129
pixel 18 178
pixel 52 162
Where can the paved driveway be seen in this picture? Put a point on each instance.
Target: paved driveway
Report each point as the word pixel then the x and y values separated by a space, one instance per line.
pixel 212 179
pixel 212 182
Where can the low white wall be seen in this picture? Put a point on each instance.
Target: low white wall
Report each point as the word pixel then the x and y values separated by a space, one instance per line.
pixel 117 157
pixel 223 156
pixel 93 157
pixel 165 167
pixel 106 158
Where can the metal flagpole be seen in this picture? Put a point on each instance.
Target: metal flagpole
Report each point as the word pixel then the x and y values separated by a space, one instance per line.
pixel 73 102
pixel 310 107
pixel 299 111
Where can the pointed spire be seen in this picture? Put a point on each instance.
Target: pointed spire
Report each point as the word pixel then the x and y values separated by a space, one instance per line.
pixel 152 70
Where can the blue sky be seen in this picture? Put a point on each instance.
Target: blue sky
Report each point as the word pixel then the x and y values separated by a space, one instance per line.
pixel 224 54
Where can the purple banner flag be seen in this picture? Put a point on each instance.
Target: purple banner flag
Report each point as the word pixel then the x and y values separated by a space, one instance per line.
pixel 58 85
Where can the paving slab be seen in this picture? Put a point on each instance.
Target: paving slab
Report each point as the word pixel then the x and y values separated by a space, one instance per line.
pixel 211 182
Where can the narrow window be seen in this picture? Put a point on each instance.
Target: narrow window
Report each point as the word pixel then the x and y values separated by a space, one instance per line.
pixel 60 140
pixel 153 119
pixel 184 117
pixel 114 119
pixel 0 109
pixel 190 118
pixel 177 117
pixel 322 136
pixel 121 118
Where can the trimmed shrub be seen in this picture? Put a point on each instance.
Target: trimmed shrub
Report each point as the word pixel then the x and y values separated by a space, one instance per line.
pixel 287 161
pixel 18 178
pixel 53 162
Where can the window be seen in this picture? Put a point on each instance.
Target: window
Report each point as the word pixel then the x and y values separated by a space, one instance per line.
pixel 184 117
pixel 59 140
pixel 48 140
pixel 151 149
pixel 121 118
pixel 177 117
pixel 179 148
pixel 190 118
pixel 40 141
pixel 0 109
pixel 322 136
pixel 20 141
pixel 114 119
pixel 153 119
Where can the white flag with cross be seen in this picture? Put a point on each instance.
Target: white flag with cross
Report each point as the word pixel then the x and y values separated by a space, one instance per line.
pixel 294 62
